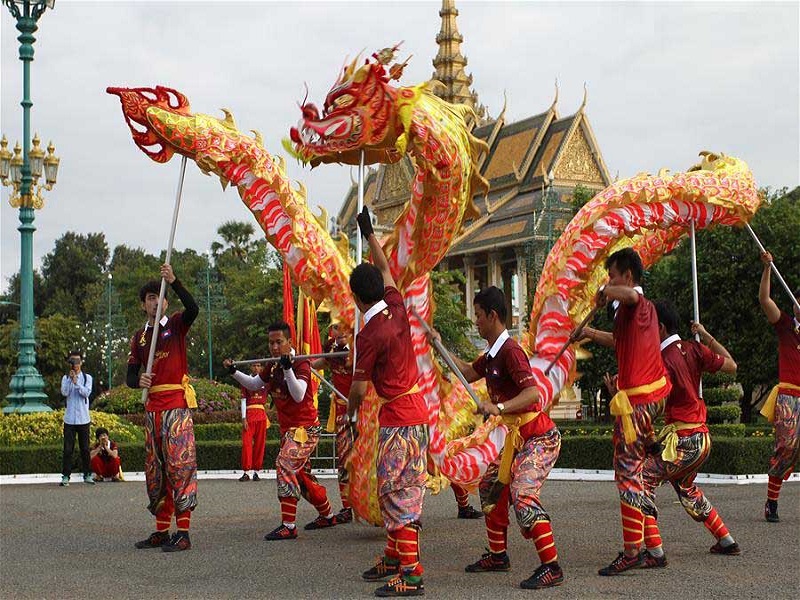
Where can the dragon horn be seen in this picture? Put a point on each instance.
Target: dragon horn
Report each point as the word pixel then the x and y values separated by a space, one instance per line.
pixel 257 135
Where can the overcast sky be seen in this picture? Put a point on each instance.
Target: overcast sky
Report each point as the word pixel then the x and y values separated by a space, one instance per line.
pixel 665 80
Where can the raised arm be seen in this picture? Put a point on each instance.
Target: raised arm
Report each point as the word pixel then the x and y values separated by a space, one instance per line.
pixel 191 310
pixel 604 338
pixel 376 251
pixel 767 304
pixel 729 366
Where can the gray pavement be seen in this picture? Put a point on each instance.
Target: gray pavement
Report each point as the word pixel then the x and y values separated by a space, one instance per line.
pixel 77 542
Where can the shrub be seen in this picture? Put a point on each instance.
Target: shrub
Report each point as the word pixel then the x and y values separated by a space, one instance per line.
pixel 717 379
pixel 212 396
pixel 724 414
pixel 35 429
pixel 716 396
pixel 727 430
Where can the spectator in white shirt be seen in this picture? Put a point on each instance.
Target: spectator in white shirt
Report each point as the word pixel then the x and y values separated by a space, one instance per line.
pixel 76 387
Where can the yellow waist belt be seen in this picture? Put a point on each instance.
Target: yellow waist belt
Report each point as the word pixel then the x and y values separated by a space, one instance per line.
pixel 669 438
pixel 300 434
pixel 412 390
pixel 514 442
pixel 188 390
pixel 768 410
pixel 620 405
pixel 258 406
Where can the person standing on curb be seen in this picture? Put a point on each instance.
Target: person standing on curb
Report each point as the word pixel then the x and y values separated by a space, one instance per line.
pixel 76 387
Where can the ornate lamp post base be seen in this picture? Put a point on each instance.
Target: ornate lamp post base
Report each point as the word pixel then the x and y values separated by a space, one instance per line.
pixel 27 395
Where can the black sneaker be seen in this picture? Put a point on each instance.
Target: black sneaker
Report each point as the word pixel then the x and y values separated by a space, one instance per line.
pixel 321 523
pixel 256 477
pixel 771 511
pixel 156 540
pixel 549 575
pixel 281 532
pixel 467 512
pixel 178 543
pixel 344 516
pixel 650 561
pixel 490 562
pixel 620 564
pixel 383 568
pixel 399 586
pixel 732 549
pixel 244 477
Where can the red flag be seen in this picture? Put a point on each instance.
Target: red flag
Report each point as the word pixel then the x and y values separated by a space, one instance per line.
pixel 288 302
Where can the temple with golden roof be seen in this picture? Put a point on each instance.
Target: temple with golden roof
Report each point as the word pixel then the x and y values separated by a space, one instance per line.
pixel 533 167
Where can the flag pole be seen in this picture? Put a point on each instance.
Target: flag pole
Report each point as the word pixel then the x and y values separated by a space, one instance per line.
pixel 163 291
pixel 359 253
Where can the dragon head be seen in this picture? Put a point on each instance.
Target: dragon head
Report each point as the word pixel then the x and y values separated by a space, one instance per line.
pixel 358 114
pixel 136 102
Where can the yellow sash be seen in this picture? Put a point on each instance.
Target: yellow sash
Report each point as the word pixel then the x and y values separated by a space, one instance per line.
pixel 330 426
pixel 412 390
pixel 258 406
pixel 514 442
pixel 669 438
pixel 620 405
pixel 188 390
pixel 768 410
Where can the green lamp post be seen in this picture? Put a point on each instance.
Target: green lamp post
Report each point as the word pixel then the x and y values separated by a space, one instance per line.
pixel 23 173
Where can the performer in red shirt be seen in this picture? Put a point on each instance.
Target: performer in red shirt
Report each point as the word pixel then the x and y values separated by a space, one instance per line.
pixel 288 384
pixel 254 428
pixel 684 442
pixel 782 407
pixel 643 386
pixel 385 356
pixel 341 369
pixel 515 477
pixel 171 461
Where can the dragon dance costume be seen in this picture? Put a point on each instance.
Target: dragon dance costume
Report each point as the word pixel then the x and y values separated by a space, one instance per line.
pixel 170 461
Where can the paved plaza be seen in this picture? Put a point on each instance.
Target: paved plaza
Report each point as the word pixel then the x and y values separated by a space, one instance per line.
pixel 77 542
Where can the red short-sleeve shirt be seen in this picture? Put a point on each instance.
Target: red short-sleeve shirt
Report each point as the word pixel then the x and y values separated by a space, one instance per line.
pixel 788 353
pixel 638 348
pixel 507 374
pixel 385 356
pixel 686 361
pixel 291 413
pixel 255 398
pixel 169 364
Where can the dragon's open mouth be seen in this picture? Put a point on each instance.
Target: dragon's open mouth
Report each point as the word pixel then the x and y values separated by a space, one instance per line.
pixel 318 138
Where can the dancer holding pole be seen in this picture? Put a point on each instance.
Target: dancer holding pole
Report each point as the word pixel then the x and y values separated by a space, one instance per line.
pixel 782 407
pixel 532 445
pixel 385 356
pixel 170 461
pixel 289 385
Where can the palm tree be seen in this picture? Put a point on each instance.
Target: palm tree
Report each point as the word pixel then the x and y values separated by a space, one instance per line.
pixel 237 236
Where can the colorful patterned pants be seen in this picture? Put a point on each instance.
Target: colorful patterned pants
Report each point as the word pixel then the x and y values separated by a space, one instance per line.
pixel 530 468
pixel 628 465
pixel 344 445
pixel 293 468
pixel 787 437
pixel 693 450
pixel 402 473
pixel 171 462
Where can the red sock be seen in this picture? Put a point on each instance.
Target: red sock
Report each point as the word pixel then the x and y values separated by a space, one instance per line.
pixel 391 548
pixel 774 488
pixel 164 514
pixel 288 509
pixel 498 539
pixel 343 495
pixel 652 536
pixel 462 496
pixel 408 549
pixel 542 534
pixel 183 519
pixel 715 525
pixel 162 524
pixel 323 508
pixel 632 527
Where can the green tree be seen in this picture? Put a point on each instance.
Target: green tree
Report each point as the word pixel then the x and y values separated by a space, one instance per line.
pixel 729 270
pixel 450 313
pixel 238 241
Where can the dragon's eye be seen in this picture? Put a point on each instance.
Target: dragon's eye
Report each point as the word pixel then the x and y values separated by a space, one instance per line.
pixel 343 101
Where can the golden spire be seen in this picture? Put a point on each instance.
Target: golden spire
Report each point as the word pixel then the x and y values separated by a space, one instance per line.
pixel 450 63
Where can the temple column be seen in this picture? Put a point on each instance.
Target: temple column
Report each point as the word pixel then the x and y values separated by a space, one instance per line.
pixel 495 276
pixel 522 282
pixel 507 274
pixel 469 288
